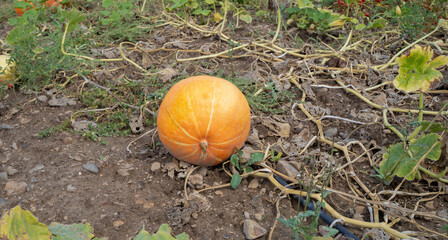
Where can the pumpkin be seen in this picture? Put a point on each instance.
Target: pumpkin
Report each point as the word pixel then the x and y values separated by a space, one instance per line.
pixel 54 3
pixel 202 120
pixel 21 11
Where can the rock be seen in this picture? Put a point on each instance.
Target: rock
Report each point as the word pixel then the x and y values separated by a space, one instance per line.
pixel 259 216
pixel 117 224
pixel 148 205
pixel 42 98
pixel 196 180
pixel 303 138
pixel 3 176
pixel 246 215
pixel 358 215
pixel 67 140
pixel 287 169
pixel 155 166
pixel 14 146
pixel 6 126
pixel 15 188
pixel 11 171
pixel 71 188
pixel 90 167
pixel 80 126
pixel 62 101
pixel 33 180
pixel 124 168
pixel 184 165
pixel 252 229
pixel 24 121
pixel 330 133
pixel 3 202
pixel 253 184
pixel 219 193
pixel 247 152
pixel 37 168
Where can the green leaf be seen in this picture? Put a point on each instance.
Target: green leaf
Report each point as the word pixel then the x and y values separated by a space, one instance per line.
pixel 330 232
pixel 434 128
pixel 400 161
pixel 378 23
pixel 255 157
pixel 71 232
pixel 108 3
pixel 236 180
pixel 199 11
pixel 73 18
pixel 210 2
pixel 360 26
pixel 22 4
pixel 417 71
pixel 22 224
pixel 178 4
pixel 246 18
pixel 305 4
pixel 235 161
pixel 164 233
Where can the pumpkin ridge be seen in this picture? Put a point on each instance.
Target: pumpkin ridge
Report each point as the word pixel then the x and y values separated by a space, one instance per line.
pixel 176 142
pixel 219 149
pixel 194 152
pixel 213 108
pixel 179 126
pixel 228 141
pixel 192 113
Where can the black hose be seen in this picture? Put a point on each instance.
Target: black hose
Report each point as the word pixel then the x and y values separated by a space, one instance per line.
pixel 322 215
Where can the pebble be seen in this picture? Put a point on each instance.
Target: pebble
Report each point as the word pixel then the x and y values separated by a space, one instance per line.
pixel 155 166
pixel 42 98
pixel 11 171
pixel 24 121
pixel 67 140
pixel 90 167
pixel 253 184
pixel 34 180
pixel 14 146
pixel 6 126
pixel 118 223
pixel 330 133
pixel 219 193
pixel 3 202
pixel 71 188
pixel 259 216
pixel 14 188
pixel 3 176
pixel 37 168
pixel 246 215
pixel 252 229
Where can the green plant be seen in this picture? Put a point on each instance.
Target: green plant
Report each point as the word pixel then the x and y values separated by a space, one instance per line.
pixel 36 48
pixel 416 73
pixel 236 161
pixel 64 126
pixel 305 224
pixel 18 223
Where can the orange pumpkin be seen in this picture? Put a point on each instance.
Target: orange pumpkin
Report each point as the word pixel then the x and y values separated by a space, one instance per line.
pixel 21 11
pixel 54 3
pixel 202 120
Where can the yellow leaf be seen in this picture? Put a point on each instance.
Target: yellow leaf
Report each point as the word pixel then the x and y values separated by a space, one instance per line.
pixel 19 224
pixel 217 17
pixel 7 68
pixel 398 10
pixel 336 23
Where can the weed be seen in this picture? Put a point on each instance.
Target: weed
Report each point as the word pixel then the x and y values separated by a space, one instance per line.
pixel 64 126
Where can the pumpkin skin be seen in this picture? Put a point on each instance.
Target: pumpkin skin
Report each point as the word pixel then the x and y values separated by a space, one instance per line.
pixel 21 11
pixel 202 119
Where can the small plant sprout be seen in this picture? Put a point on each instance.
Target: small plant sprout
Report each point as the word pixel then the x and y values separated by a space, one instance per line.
pixel 416 74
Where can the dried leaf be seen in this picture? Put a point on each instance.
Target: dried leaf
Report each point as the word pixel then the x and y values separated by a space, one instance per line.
pixel 167 74
pixel 281 129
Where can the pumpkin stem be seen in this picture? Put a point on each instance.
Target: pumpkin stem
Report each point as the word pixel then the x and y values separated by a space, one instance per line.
pixel 204 146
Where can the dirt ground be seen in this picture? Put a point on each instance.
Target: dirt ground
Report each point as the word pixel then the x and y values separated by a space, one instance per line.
pixel 67 178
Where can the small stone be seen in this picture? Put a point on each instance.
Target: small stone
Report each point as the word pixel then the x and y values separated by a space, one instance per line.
pixel 14 188
pixel 11 171
pixel 330 133
pixel 3 202
pixel 287 169
pixel 42 98
pixel 253 184
pixel 33 180
pixel 252 229
pixel 155 166
pixel 246 215
pixel 123 172
pixel 37 168
pixel 219 193
pixel 7 126
pixel 430 205
pixel 24 121
pixel 14 146
pixel 71 188
pixel 3 176
pixel 148 205
pixel 67 140
pixel 118 224
pixel 184 165
pixel 196 180
pixel 358 215
pixel 195 215
pixel 90 167
pixel 259 216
